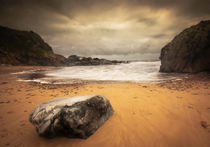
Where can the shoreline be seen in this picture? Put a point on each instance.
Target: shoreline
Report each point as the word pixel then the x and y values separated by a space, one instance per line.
pixel 45 76
pixel 34 75
pixel 172 113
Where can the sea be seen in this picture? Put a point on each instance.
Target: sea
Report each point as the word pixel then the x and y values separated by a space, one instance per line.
pixel 141 71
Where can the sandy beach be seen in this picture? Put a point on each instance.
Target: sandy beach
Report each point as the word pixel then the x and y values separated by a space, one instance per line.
pixel 167 114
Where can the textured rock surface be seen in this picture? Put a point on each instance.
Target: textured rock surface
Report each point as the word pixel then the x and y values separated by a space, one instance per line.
pixel 189 51
pixel 26 48
pixel 74 117
pixel 77 60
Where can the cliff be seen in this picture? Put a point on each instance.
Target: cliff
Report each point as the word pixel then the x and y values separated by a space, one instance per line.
pixel 189 51
pixel 26 48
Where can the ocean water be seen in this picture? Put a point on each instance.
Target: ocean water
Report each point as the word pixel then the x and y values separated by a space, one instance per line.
pixel 130 72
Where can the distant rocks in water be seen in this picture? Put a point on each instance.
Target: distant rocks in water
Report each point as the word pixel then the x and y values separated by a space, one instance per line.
pixel 189 51
pixel 26 48
pixel 77 60
pixel 74 117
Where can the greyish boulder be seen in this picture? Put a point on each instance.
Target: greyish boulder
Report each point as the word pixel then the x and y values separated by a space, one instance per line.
pixel 74 117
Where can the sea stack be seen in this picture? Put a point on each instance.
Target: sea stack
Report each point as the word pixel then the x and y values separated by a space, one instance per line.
pixel 188 52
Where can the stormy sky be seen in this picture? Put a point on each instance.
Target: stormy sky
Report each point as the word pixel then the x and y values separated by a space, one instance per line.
pixel 113 29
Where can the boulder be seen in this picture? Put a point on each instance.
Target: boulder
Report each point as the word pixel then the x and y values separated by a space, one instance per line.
pixel 189 51
pixel 74 117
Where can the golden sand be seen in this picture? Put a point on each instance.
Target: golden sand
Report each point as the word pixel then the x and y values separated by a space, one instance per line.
pixel 173 114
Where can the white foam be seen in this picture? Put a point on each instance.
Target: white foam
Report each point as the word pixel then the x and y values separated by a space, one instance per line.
pixel 134 72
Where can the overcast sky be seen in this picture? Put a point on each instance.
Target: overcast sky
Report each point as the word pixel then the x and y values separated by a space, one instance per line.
pixel 121 29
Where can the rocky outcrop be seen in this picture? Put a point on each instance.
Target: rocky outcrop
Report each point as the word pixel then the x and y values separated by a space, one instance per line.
pixel 74 60
pixel 26 48
pixel 74 117
pixel 189 51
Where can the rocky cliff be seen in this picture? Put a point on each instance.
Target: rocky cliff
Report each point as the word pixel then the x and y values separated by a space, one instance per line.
pixel 189 51
pixel 26 48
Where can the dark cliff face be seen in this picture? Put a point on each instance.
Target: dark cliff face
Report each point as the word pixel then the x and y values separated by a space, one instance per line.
pixel 26 48
pixel 189 51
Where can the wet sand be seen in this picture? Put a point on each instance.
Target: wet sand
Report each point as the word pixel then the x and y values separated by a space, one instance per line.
pixel 169 114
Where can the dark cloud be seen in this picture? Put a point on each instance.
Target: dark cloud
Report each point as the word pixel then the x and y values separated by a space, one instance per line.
pixel 104 27
pixel 188 7
pixel 159 35
pixel 148 21
pixel 183 7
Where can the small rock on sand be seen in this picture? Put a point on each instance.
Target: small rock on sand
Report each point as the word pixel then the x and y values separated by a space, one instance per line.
pixel 204 124
pixel 4 82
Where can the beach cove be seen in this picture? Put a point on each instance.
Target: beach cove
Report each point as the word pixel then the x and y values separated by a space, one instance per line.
pixel 169 113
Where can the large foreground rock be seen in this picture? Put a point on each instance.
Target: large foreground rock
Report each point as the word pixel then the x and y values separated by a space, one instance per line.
pixel 189 51
pixel 75 117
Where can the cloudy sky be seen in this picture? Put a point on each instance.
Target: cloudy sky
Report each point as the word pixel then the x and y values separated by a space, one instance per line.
pixel 120 29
